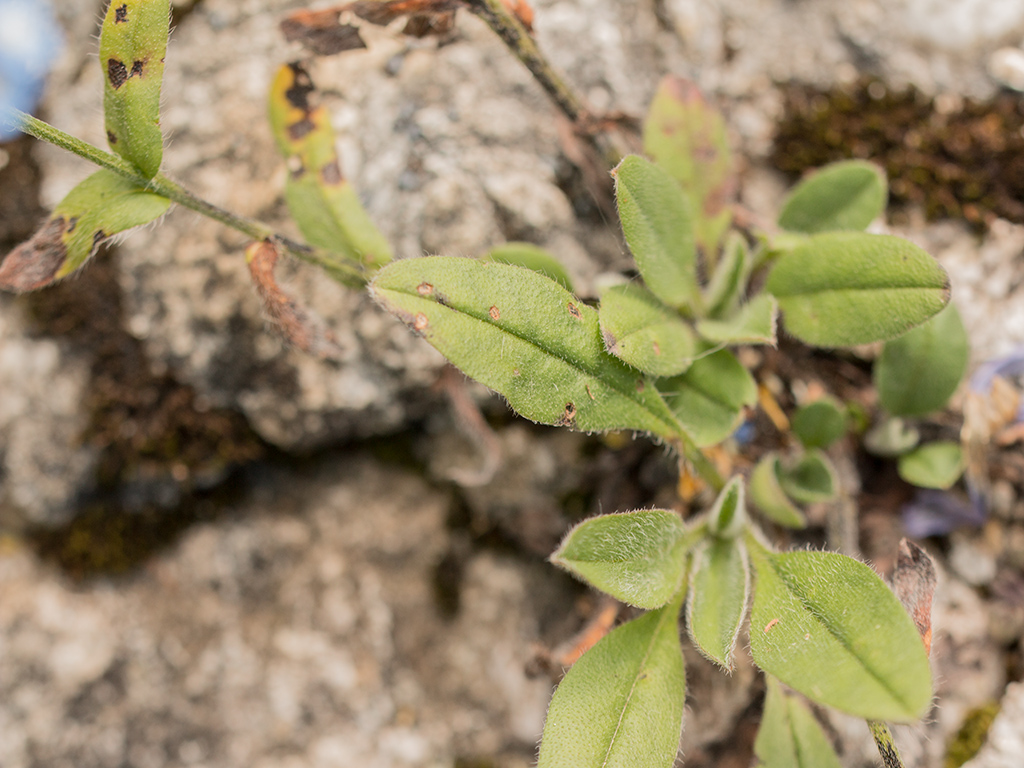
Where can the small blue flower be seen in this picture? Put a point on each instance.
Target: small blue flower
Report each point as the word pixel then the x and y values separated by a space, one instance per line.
pixel 29 40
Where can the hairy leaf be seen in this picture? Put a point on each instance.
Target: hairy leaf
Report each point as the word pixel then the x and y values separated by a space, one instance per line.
pixel 526 337
pixel 767 494
pixel 729 280
pixel 621 704
pixel 719 589
pixel 849 194
pixel 687 137
pixel 658 226
pixel 640 330
pixel 891 437
pixel 918 372
pixel 819 424
pixel 102 205
pixel 811 479
pixel 133 44
pixel 789 736
pixel 322 202
pixel 753 323
pixel 728 515
pixel 532 257
pixel 829 627
pixel 636 557
pixel 933 465
pixel 710 397
pixel 841 289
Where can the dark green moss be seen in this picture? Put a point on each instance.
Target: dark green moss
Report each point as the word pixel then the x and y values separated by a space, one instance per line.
pixel 972 734
pixel 966 162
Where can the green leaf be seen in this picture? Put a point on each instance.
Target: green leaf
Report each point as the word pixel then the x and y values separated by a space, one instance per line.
pixel 658 226
pixel 532 257
pixel 918 372
pixel 102 205
pixel 322 202
pixel 849 194
pixel 638 329
pixel 621 704
pixel 933 465
pixel 819 424
pixel 790 736
pixel 811 479
pixel 133 44
pixel 728 515
pixel 841 289
pixel 729 281
pixel 687 137
pixel 829 627
pixel 710 397
pixel 527 338
pixel 719 589
pixel 891 437
pixel 636 557
pixel 754 323
pixel 767 494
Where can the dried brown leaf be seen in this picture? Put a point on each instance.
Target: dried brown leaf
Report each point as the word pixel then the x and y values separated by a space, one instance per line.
pixel 913 581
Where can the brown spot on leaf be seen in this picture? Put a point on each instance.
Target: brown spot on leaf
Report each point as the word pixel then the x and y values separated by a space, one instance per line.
pixel 769 625
pixel 111 137
pixel 121 14
pixel 494 313
pixel 574 311
pixel 657 347
pixel 302 86
pixel 72 223
pixel 610 342
pixel 421 322
pixel 137 67
pixel 321 32
pixel 591 394
pixel 331 173
pixel 424 289
pixel 301 128
pixel 296 170
pixel 296 324
pixel 117 73
pixel 34 263
pixel 98 237
pixel 568 417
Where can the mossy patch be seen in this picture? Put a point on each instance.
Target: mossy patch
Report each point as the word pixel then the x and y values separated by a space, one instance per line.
pixel 954 160
pixel 972 734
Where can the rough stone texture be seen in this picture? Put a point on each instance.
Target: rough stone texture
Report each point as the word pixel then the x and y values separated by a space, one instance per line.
pixel 302 633
pixel 1005 743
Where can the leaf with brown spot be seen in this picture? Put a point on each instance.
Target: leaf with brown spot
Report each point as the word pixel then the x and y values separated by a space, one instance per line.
pixel 102 205
pixel 321 32
pixel 324 205
pixel 133 44
pixel 296 324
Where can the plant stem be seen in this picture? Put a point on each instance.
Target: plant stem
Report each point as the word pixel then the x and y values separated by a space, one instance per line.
pixel 886 745
pixel 344 270
pixel 512 32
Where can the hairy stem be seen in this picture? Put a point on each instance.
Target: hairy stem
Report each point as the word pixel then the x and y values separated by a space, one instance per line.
pixel 344 270
pixel 886 745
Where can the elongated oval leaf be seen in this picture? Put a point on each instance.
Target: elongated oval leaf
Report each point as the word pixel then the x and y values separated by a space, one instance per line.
pixel 829 627
pixel 322 202
pixel 819 424
pixel 621 704
pixel 753 323
pixel 767 494
pixel 687 136
pixel 636 557
pixel 102 205
pixel 728 515
pixel 933 465
pixel 638 329
pixel 849 194
pixel 811 479
pixel 719 589
pixel 133 44
pixel 658 226
pixel 918 372
pixel 532 257
pixel 729 280
pixel 841 289
pixel 790 736
pixel 527 338
pixel 710 397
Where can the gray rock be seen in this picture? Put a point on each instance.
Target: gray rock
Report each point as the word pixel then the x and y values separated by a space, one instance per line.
pixel 1005 743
